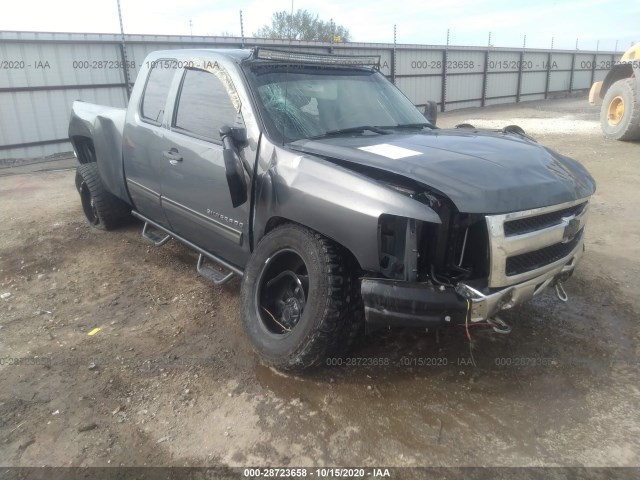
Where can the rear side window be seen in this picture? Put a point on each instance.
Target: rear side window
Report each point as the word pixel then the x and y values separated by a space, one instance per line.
pixel 157 89
pixel 204 106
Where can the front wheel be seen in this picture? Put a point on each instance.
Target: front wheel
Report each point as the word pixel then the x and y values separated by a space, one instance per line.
pixel 620 111
pixel 300 299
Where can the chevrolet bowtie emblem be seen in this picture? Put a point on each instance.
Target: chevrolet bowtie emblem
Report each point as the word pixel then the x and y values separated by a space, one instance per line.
pixel 571 230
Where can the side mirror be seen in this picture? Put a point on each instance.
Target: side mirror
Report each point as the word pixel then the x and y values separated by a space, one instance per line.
pixel 431 112
pixel 233 138
pixel 239 136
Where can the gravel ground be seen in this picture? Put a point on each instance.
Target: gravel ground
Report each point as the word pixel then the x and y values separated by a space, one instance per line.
pixel 170 379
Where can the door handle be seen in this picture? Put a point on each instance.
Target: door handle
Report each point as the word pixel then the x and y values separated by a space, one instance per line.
pixel 172 155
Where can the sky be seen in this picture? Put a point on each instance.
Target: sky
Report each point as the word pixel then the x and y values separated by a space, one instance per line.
pixel 418 21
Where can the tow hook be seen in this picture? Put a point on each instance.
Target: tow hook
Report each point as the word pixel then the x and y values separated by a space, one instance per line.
pixel 561 293
pixel 499 325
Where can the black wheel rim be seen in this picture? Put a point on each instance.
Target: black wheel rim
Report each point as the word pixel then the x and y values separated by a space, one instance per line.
pixel 282 293
pixel 88 205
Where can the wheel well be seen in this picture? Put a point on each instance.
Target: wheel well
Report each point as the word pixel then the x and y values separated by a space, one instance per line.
pixel 618 72
pixel 275 222
pixel 85 151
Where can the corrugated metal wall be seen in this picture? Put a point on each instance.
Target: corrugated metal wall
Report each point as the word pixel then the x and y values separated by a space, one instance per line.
pixel 42 73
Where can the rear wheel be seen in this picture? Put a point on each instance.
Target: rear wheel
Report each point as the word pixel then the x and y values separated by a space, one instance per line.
pixel 102 209
pixel 300 299
pixel 620 112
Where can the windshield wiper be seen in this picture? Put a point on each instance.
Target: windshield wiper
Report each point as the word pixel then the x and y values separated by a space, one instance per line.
pixel 408 125
pixel 360 129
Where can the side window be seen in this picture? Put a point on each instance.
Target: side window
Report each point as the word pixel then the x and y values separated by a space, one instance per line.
pixel 204 106
pixel 157 89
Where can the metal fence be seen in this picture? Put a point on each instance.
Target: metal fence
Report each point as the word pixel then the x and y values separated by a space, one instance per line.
pixel 41 74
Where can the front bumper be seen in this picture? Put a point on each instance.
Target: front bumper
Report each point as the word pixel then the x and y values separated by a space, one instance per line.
pixel 397 303
pixel 486 306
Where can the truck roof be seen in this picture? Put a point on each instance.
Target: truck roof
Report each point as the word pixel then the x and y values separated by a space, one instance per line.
pixel 236 54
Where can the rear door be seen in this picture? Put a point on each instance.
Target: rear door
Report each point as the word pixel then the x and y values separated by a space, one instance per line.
pixel 195 194
pixel 144 137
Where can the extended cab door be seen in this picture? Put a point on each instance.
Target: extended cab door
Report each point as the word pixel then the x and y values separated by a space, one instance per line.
pixel 143 140
pixel 195 194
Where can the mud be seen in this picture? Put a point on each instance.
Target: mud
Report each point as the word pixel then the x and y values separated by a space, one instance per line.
pixel 170 379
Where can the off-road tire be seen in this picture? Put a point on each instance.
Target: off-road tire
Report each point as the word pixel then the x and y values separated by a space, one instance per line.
pixel 333 316
pixel 628 128
pixel 102 209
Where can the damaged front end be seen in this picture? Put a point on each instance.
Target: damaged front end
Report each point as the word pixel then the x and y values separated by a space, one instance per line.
pixel 469 267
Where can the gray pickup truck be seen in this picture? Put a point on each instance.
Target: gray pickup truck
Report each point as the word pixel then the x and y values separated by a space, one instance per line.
pixel 337 202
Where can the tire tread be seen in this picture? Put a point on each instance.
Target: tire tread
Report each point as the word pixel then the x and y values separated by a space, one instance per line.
pixel 342 319
pixel 112 212
pixel 632 129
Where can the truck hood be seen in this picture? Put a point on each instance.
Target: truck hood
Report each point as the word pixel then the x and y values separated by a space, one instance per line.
pixel 479 171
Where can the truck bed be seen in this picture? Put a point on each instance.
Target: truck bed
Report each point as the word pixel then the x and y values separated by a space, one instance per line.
pixel 104 127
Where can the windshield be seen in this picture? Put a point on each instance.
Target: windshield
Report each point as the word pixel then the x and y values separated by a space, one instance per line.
pixel 311 102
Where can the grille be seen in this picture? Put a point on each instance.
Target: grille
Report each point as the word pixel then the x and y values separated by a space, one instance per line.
pixel 539 258
pixel 539 222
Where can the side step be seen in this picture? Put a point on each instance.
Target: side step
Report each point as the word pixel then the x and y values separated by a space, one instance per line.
pixel 211 274
pixel 153 236
pixel 208 272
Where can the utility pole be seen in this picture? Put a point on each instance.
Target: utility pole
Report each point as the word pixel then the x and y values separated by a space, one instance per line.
pixel 331 33
pixel 123 51
pixel 445 58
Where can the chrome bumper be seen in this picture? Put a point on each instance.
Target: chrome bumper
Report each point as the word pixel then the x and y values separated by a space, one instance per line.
pixel 486 306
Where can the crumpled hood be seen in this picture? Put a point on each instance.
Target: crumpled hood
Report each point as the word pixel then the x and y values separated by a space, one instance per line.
pixel 480 171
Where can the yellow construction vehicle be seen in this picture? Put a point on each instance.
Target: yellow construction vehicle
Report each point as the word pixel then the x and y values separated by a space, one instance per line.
pixel 619 96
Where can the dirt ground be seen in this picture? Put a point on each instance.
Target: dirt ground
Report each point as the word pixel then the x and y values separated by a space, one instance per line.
pixel 170 379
